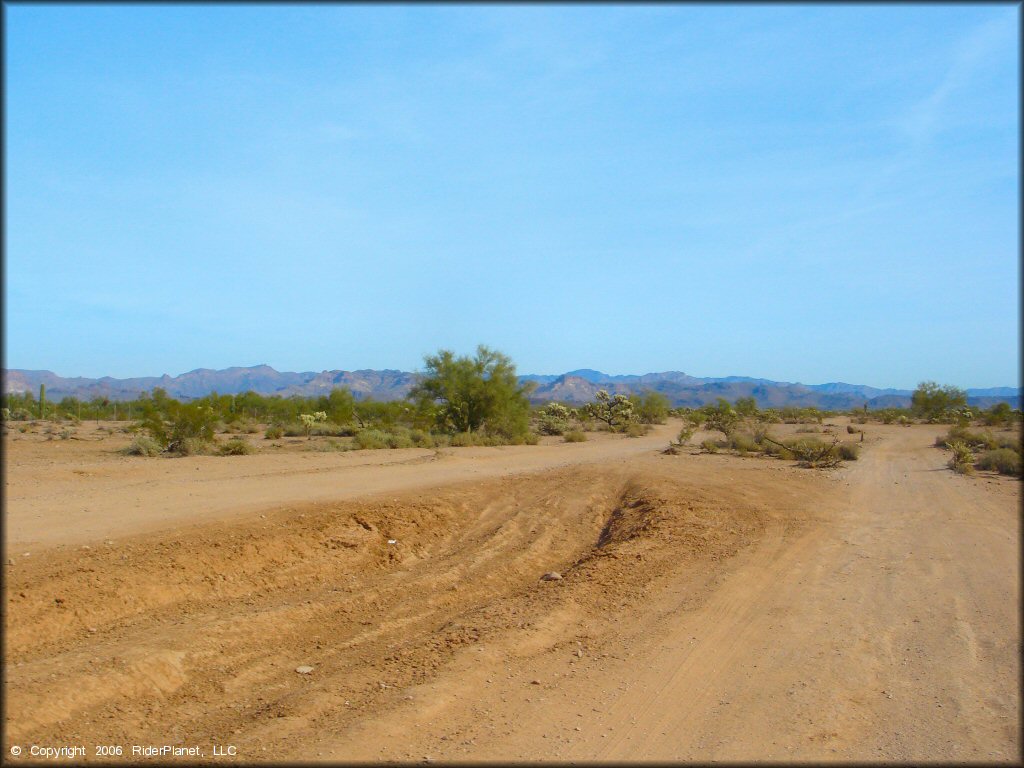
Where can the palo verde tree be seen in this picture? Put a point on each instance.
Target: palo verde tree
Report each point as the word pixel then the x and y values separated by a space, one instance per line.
pixel 472 394
pixel 935 403
pixel 720 417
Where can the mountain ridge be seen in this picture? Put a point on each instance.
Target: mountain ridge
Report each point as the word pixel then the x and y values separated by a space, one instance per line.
pixel 577 386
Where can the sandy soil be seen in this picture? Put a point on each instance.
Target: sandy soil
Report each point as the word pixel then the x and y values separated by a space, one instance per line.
pixel 711 607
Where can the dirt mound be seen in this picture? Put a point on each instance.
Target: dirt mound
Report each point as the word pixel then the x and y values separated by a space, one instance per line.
pixel 198 634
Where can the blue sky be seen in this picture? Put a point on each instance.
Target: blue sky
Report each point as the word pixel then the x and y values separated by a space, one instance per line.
pixel 801 193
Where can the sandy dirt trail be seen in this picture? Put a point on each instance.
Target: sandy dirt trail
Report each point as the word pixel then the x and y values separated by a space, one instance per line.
pixel 52 500
pixel 711 608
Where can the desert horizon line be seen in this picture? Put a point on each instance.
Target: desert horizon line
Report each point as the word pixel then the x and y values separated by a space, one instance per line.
pixel 732 376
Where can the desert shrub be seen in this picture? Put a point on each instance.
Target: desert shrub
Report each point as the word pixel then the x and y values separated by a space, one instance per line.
pixel 770 416
pixel 526 438
pixel 974 440
pixel 770 448
pixel 143 445
pixel 709 446
pixel 274 432
pixel 399 437
pixel 470 439
pixel 810 451
pixel 193 446
pixel 686 433
pixel 574 436
pixel 1009 443
pixel 328 446
pixel 743 443
pixel 849 451
pixel 421 439
pixel 808 429
pixel 998 414
pixel 962 460
pixel 236 447
pixel 637 430
pixel 366 439
pixel 1005 461
pixel 179 424
pixel 852 430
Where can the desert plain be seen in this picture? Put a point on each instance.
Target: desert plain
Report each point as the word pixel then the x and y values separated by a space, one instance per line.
pixel 710 607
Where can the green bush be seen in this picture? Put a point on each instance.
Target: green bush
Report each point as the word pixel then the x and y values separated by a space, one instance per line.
pixel 651 407
pixel 469 439
pixel 399 438
pixel 367 439
pixel 709 446
pixel 1009 443
pixel 525 438
pixel 743 443
pixel 686 433
pixel 974 440
pixel 329 445
pixel 421 439
pixel 274 432
pixel 574 436
pixel 1005 461
pixel 142 445
pixel 236 447
pixel 637 430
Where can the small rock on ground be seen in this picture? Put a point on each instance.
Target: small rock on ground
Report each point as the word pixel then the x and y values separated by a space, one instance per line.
pixel 551 576
pixel 304 669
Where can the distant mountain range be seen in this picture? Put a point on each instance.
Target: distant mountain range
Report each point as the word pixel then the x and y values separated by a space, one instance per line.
pixel 577 386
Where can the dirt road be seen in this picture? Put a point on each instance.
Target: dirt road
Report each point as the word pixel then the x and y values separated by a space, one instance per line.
pixel 711 608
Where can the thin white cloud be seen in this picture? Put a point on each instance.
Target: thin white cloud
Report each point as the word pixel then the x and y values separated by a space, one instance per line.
pixel 976 50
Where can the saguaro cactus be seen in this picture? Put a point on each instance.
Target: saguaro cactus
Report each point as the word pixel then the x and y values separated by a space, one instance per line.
pixel 42 401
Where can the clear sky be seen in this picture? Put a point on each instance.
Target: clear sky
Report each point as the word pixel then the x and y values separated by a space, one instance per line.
pixel 801 193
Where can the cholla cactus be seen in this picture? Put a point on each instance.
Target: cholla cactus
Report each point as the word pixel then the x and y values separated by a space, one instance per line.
pixel 309 419
pixel 6 414
pixel 554 419
pixel 616 411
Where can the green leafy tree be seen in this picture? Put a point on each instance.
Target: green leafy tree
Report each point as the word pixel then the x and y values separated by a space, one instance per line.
pixel 472 394
pixel 651 408
pixel 937 403
pixel 746 406
pixel 720 417
pixel 176 426
pixel 998 414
